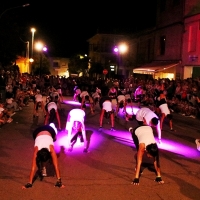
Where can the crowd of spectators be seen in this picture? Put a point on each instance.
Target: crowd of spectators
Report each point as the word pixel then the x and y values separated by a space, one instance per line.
pixel 16 91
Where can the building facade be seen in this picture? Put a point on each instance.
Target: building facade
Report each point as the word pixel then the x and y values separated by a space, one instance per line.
pixel 171 49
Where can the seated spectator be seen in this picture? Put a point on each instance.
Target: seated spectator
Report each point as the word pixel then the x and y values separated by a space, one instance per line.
pixel 4 115
pixel 12 104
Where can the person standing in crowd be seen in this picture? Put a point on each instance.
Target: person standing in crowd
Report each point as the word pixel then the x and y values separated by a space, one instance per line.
pixel 147 116
pixel 147 152
pixel 105 104
pixel 138 95
pixel 51 112
pixel 44 151
pixel 112 93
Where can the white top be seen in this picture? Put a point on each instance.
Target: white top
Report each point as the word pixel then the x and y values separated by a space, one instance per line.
pixel 120 98
pixel 145 135
pixel 76 114
pixel 38 98
pixel 107 106
pixel 84 93
pixel 145 113
pixel 43 141
pixel 51 105
pixel 164 109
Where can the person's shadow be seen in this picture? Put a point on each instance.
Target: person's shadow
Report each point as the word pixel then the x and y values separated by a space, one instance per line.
pixel 88 137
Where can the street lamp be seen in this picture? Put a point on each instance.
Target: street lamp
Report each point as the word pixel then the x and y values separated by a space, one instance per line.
pixel 25 5
pixel 32 42
pixel 40 47
pixel 33 31
pixel 27 57
pixel 119 50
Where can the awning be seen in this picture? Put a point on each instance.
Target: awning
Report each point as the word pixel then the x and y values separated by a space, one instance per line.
pixel 155 66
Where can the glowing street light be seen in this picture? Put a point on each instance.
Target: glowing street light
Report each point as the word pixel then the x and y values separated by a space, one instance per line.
pixel 119 50
pixel 39 46
pixel 33 31
pixel 122 48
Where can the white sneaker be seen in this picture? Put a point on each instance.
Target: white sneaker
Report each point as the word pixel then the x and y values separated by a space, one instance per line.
pixel 197 141
pixel 130 129
pixel 44 172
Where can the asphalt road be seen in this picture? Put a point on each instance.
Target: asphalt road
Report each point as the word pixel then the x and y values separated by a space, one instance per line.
pixel 107 170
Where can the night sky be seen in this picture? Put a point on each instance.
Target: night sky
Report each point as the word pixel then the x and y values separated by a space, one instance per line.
pixel 65 26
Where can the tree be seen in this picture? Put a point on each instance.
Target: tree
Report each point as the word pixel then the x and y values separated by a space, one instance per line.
pixel 41 65
pixel 96 68
pixel 78 64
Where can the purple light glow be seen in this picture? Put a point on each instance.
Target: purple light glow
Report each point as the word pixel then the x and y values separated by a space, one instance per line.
pixel 123 137
pixel 95 140
pixel 72 102
pixel 116 49
pixel 179 148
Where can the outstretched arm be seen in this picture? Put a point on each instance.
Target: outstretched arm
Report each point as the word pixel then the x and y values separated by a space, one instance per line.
pixel 158 128
pixel 55 163
pixel 158 177
pixel 33 169
pixel 139 162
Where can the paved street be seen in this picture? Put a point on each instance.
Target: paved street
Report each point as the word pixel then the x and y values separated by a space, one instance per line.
pixel 107 170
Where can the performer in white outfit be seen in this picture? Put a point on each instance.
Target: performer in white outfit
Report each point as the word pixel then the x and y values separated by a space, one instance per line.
pixel 150 118
pixel 147 152
pixel 75 122
pixel 165 112
pixel 105 104
pixel 38 102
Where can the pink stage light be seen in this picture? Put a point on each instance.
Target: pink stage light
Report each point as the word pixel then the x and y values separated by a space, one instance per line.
pixel 123 137
pixel 72 102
